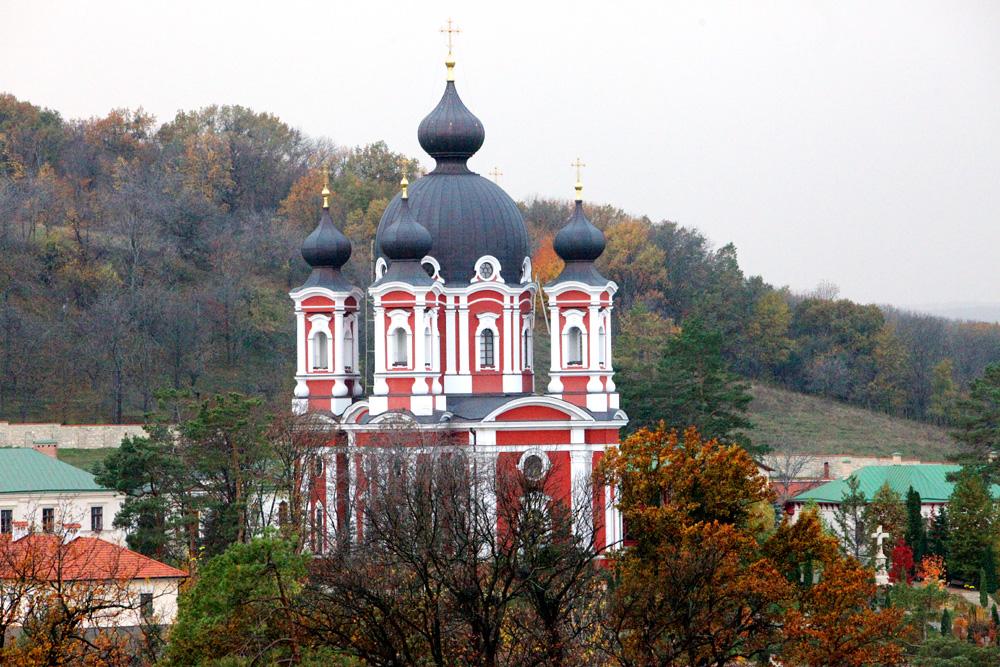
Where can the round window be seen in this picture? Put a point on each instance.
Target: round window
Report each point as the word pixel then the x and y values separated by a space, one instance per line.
pixel 485 270
pixel 533 467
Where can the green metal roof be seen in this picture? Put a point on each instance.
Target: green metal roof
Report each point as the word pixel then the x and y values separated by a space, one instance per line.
pixel 25 470
pixel 929 480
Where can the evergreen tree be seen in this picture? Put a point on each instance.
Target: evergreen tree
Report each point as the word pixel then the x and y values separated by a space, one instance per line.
pixel 990 568
pixel 946 623
pixel 693 386
pixel 937 536
pixel 972 525
pixel 995 616
pixel 978 421
pixel 984 599
pixel 851 521
pixel 916 527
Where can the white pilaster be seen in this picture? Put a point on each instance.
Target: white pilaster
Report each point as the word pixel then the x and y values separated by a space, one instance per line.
pixel 581 491
pixel 381 386
pixel 555 338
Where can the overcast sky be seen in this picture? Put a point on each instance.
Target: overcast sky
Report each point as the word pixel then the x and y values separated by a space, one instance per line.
pixel 852 142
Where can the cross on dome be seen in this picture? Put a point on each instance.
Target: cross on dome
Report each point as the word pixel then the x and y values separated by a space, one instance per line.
pixel 449 62
pixel 578 165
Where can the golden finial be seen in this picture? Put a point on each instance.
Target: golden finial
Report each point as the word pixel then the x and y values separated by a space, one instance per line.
pixel 449 62
pixel 405 183
pixel 579 182
pixel 326 186
pixel 496 174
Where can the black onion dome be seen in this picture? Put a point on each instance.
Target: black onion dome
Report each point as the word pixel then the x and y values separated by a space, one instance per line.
pixel 405 238
pixel 451 134
pixel 579 240
pixel 326 247
pixel 468 216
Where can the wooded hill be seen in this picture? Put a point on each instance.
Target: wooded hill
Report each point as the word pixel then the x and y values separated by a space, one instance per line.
pixel 137 256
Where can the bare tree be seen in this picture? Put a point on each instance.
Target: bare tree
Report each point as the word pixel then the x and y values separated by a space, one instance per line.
pixel 456 559
pixel 788 467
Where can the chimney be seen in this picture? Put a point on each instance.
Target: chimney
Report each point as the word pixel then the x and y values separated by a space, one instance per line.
pixel 47 447
pixel 897 458
pixel 826 470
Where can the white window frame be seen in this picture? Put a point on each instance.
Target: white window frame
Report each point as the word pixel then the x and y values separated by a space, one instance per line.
pixel 534 451
pixel 349 323
pixel 399 320
pixel 488 322
pixel 526 270
pixel 380 268
pixel 320 324
pixel 495 277
pixel 574 320
pixel 527 344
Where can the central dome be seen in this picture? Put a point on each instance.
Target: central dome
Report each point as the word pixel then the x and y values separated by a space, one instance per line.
pixel 467 215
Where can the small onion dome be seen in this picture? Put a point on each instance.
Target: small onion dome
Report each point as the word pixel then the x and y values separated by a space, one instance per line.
pixel 405 239
pixel 579 240
pixel 451 134
pixel 326 247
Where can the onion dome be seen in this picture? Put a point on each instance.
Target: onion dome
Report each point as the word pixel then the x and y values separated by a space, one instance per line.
pixel 579 243
pixel 451 134
pixel 326 250
pixel 579 240
pixel 467 216
pixel 405 239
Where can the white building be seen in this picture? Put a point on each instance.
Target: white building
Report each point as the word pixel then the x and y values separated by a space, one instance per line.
pixel 42 494
pixel 110 585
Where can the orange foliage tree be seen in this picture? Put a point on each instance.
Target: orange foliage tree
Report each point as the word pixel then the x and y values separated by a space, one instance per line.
pixel 706 585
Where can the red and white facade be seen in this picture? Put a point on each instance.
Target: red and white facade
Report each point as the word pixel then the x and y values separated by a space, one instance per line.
pixel 453 343
pixel 327 375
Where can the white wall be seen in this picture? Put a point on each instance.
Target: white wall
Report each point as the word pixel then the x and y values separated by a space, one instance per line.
pixel 69 508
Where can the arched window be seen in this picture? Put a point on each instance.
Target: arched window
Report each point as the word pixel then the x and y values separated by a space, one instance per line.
pixel 602 340
pixel 486 354
pixel 574 347
pixel 400 351
pixel 349 347
pixel 428 347
pixel 320 351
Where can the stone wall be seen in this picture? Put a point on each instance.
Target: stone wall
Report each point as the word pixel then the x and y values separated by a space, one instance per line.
pixel 81 436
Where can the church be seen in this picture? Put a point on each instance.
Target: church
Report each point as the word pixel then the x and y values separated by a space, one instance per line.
pixel 453 307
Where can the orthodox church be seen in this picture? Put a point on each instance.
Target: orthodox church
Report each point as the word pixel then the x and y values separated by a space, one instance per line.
pixel 453 304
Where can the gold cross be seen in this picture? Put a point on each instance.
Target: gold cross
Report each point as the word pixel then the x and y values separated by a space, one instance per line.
pixel 579 165
pixel 450 32
pixel 496 174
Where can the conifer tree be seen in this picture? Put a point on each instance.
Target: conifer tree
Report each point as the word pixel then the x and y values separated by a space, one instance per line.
pixel 916 527
pixel 995 616
pixel 693 386
pixel 984 599
pixel 990 568
pixel 946 623
pixel 937 536
pixel 972 525
pixel 978 421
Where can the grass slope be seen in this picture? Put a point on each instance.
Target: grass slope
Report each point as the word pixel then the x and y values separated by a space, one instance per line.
pixel 83 458
pixel 789 421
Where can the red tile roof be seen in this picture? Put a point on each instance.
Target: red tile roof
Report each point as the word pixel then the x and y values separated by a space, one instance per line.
pixel 82 559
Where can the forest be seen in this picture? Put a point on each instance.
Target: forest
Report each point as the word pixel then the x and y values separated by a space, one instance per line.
pixel 139 256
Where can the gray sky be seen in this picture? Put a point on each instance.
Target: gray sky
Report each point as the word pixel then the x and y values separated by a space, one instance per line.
pixel 853 142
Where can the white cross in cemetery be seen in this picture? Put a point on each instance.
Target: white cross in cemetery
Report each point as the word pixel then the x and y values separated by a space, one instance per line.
pixel 881 574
